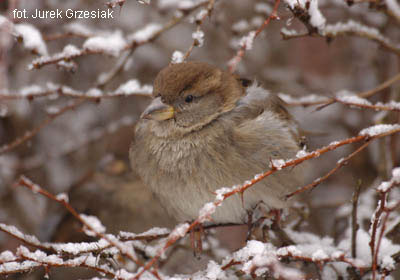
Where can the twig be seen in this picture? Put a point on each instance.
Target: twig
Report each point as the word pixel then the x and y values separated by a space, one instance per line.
pixel 81 261
pixel 43 61
pixel 27 239
pixel 383 189
pixel 121 63
pixel 230 192
pixel 232 64
pixel 23 181
pixel 61 90
pixel 367 93
pixel 199 23
pixel 354 223
pixel 342 162
pixel 31 133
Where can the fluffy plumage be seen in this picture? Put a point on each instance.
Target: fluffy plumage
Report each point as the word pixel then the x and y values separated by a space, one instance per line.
pixel 221 136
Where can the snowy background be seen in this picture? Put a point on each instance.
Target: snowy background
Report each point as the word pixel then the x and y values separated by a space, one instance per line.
pixel 72 89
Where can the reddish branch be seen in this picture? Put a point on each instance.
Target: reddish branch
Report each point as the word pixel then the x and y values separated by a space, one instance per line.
pixel 199 23
pixel 173 237
pixel 23 181
pixel 57 248
pixel 377 221
pixel 173 22
pixel 43 61
pixel 240 190
pixel 61 90
pixel 364 94
pixel 339 164
pixel 354 224
pixel 73 263
pixel 376 107
pixel 31 133
pixel 240 53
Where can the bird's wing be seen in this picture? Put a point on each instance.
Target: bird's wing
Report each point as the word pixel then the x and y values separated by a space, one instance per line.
pixel 258 104
pixel 263 130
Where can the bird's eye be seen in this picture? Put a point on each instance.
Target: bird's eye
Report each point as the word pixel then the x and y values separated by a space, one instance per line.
pixel 189 98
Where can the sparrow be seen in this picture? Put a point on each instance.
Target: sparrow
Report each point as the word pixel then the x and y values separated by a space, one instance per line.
pixel 206 129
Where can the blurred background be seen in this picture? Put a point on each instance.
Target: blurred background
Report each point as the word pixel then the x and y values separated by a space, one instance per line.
pixel 84 151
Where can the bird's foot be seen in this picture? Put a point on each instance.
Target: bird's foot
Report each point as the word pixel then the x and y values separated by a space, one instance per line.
pixel 253 228
pixel 195 240
pixel 259 228
pixel 276 227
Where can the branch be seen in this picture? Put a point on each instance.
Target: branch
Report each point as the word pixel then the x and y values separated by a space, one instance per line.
pixel 342 162
pixel 247 41
pixel 197 42
pixel 91 46
pixel 222 194
pixel 25 182
pixel 31 133
pixel 354 224
pixel 383 189
pixel 129 88
pixel 313 99
pixel 355 101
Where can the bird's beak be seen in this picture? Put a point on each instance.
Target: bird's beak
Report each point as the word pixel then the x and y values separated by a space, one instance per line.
pixel 158 111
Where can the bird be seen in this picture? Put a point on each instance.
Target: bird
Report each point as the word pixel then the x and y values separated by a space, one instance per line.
pixel 207 128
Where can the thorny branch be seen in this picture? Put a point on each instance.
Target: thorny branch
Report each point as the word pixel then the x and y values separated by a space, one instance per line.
pixel 174 237
pixel 25 182
pixel 342 162
pixel 131 46
pixel 61 90
pixel 378 222
pixel 173 22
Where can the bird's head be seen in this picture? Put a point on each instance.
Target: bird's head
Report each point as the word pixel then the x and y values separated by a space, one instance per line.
pixel 193 94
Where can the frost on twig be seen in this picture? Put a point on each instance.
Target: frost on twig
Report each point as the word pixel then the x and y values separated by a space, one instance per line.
pixel 31 38
pixel 56 105
pixel 129 88
pixel 27 34
pixel 309 13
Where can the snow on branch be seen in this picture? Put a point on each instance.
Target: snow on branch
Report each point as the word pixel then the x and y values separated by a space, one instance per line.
pixel 206 212
pixel 347 98
pixel 198 35
pixel 112 44
pixel 379 244
pixel 31 38
pixel 356 101
pixel 307 11
pixel 393 9
pixel 354 28
pixel 343 257
pixel 27 34
pixel 91 225
pixel 129 88
pixel 247 41
pixel 255 259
